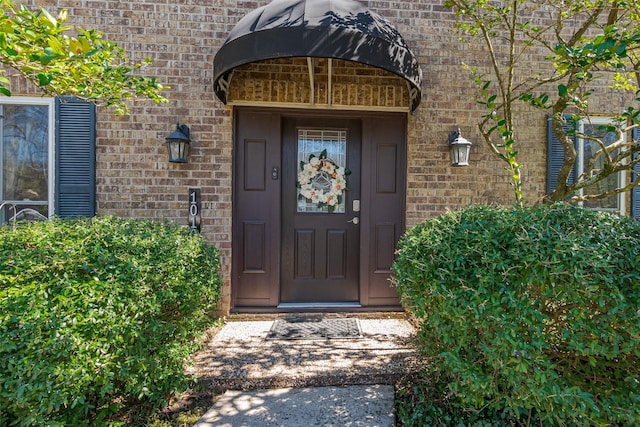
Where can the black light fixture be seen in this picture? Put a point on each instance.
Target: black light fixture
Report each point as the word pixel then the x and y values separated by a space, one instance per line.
pixel 460 148
pixel 178 144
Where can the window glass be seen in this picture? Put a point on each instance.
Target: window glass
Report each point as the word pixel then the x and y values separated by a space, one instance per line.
pixel 315 142
pixel 589 149
pixel 24 160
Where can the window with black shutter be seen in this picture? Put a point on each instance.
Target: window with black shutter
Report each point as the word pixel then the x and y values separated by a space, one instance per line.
pixel 588 130
pixel 47 158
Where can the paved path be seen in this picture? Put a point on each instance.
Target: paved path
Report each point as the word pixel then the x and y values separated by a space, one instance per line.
pixel 355 405
pixel 325 382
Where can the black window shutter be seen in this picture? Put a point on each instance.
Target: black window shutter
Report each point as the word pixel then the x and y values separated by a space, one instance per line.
pixel 555 156
pixel 635 192
pixel 75 158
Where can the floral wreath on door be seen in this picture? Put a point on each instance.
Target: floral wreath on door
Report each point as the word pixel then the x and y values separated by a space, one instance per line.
pixel 322 182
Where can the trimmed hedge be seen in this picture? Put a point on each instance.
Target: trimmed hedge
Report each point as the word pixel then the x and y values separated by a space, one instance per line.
pixel 531 315
pixel 98 314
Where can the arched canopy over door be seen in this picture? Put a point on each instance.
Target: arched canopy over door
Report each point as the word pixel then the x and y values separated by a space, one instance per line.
pixel 332 29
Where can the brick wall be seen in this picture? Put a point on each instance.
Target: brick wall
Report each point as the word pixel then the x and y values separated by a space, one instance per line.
pixel 134 178
pixel 286 80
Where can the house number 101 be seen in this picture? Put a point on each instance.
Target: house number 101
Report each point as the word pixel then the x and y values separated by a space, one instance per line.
pixel 194 210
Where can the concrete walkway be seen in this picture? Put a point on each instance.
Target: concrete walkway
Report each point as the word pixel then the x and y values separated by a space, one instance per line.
pixel 319 382
pixel 355 405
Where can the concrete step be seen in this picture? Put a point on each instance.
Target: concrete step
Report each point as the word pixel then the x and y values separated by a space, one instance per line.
pixel 240 357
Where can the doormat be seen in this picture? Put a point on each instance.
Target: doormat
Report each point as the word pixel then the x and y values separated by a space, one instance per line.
pixel 314 328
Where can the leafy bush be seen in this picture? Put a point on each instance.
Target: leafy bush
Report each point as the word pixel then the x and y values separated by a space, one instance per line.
pixel 531 315
pixel 96 314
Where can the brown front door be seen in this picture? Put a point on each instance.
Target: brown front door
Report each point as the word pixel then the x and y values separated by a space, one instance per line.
pixel 287 251
pixel 320 245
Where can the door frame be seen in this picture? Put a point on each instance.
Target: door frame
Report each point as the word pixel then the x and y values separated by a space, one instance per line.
pixel 375 232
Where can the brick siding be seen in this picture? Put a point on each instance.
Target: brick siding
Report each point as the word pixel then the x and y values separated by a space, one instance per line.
pixel 287 81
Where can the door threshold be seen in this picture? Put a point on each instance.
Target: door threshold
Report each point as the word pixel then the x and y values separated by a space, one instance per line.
pixel 289 305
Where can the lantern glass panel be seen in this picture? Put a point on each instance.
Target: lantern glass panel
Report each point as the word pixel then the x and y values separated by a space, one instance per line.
pixel 178 151
pixel 460 155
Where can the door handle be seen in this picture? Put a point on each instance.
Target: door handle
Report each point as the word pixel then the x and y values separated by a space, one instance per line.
pixel 355 220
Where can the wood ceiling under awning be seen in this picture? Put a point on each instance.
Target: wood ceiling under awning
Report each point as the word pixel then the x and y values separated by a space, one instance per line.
pixel 343 46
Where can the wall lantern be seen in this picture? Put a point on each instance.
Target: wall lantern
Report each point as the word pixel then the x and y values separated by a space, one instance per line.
pixel 460 148
pixel 178 144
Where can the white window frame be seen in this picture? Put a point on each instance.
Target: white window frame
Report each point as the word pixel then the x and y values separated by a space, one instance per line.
pixel 50 104
pixel 622 176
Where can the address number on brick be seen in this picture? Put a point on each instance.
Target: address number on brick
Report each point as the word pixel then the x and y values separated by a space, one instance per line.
pixel 194 210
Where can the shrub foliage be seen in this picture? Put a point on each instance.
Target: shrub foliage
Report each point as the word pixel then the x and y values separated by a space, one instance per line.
pixel 530 314
pixel 96 314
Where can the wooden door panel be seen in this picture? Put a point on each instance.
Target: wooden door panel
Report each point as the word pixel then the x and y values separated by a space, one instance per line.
pixel 255 164
pixel 336 254
pixel 256 221
pixel 304 254
pixel 254 259
pixel 383 189
pixel 384 246
pixel 386 164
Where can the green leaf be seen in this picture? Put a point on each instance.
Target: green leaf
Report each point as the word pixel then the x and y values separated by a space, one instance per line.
pixel 51 19
pixel 44 79
pixel 562 90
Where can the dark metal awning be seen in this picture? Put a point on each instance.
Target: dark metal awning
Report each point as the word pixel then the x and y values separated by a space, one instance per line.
pixel 338 29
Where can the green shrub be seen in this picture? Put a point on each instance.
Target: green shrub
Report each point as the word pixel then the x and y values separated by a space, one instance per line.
pixel 97 314
pixel 530 314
